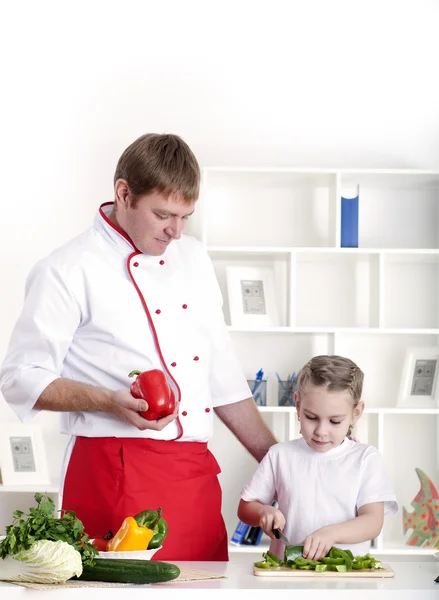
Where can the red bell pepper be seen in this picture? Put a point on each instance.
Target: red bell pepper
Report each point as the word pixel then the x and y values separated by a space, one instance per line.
pixel 153 387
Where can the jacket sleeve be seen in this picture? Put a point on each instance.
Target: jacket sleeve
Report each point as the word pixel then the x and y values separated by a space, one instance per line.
pixel 40 339
pixel 228 383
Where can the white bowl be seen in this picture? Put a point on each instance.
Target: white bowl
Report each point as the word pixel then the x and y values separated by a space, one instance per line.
pixel 436 555
pixel 133 554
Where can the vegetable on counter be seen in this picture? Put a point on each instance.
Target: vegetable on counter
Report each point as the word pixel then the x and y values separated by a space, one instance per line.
pixel 40 524
pixel 44 562
pixel 146 518
pixel 153 387
pixel 101 543
pixel 41 548
pixel 132 536
pixel 336 560
pixel 130 571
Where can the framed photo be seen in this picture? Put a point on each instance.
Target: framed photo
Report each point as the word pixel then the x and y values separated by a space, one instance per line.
pixel 252 298
pixel 22 455
pixel 420 377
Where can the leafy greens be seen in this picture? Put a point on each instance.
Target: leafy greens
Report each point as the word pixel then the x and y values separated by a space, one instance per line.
pixel 40 524
pixel 44 562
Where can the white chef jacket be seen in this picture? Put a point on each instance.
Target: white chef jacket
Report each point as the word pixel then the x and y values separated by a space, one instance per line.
pixel 96 309
pixel 314 489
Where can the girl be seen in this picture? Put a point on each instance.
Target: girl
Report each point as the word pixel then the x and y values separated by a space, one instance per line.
pixel 331 490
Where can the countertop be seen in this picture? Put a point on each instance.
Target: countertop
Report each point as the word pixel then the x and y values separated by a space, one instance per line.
pixel 414 580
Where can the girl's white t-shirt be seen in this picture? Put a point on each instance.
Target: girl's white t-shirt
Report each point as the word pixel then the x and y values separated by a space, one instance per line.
pixel 316 489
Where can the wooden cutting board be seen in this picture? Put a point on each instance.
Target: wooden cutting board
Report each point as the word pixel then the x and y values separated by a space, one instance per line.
pixel 387 571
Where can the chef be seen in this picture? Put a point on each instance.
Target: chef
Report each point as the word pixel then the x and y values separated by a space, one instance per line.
pixel 133 293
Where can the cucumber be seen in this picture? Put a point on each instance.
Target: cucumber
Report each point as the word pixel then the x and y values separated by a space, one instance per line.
pixel 126 570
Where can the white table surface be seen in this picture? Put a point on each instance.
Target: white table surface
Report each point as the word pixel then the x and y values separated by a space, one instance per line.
pixel 414 580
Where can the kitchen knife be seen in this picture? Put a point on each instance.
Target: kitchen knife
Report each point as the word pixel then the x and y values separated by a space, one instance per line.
pixel 280 536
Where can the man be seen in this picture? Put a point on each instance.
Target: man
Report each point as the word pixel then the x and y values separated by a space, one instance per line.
pixel 132 293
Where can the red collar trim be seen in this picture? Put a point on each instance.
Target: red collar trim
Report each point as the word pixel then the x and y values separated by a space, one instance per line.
pixel 113 226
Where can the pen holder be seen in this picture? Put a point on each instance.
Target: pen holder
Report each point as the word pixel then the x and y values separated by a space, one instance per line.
pixel 285 393
pixel 259 391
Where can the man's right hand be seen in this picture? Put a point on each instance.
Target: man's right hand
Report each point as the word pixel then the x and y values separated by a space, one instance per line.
pixel 125 406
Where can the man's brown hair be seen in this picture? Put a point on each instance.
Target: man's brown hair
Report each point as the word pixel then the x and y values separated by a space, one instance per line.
pixel 163 163
pixel 336 373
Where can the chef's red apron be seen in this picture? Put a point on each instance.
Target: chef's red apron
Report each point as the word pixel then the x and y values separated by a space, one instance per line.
pixel 109 479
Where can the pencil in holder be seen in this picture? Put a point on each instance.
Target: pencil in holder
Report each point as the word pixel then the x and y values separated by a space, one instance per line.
pixel 285 393
pixel 259 391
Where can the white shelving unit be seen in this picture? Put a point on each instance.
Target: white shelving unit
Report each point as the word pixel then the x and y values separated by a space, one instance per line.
pixel 369 303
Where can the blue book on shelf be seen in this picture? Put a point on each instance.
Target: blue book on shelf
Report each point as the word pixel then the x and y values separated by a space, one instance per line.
pixel 239 533
pixel 349 222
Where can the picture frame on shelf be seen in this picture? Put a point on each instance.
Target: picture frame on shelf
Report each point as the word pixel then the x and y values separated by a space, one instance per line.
pixel 22 455
pixel 252 298
pixel 420 378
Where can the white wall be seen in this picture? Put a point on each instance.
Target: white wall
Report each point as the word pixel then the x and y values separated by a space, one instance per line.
pixel 271 83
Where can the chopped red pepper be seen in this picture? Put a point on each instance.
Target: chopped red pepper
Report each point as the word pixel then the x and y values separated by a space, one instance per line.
pixel 153 387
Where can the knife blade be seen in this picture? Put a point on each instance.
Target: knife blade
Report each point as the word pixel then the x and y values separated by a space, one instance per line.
pixel 280 536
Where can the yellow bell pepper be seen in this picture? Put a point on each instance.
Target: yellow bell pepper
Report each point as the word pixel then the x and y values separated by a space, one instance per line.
pixel 130 536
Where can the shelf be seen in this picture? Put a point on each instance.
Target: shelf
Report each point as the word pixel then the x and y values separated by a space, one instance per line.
pixel 396 549
pixel 341 330
pixel 267 250
pixel 30 489
pixel 400 549
pixel 375 410
pixel 287 207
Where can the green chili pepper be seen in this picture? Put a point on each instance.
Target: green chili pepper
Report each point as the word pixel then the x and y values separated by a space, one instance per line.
pixel 341 568
pixel 332 561
pixel 339 553
pixel 270 557
pixel 302 562
pixel 145 519
pixel 263 564
pixel 293 552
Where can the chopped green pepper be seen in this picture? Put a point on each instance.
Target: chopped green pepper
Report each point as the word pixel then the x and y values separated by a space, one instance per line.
pixel 339 553
pixel 341 568
pixel 337 559
pixel 262 565
pixel 272 558
pixel 332 561
pixel 303 562
pixel 292 552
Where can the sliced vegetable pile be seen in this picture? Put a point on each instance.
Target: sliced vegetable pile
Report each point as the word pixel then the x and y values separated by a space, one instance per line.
pixel 337 560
